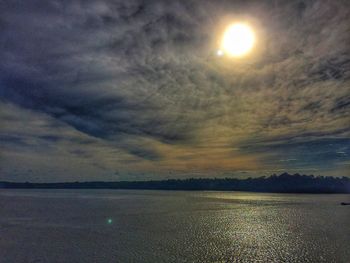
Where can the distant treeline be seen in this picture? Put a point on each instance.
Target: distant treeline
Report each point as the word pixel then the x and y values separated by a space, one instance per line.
pixel 284 183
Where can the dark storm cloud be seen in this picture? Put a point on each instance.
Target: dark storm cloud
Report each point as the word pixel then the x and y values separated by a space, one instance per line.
pixel 138 75
pixel 76 61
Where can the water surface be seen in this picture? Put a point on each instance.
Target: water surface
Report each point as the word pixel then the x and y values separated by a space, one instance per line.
pixel 172 226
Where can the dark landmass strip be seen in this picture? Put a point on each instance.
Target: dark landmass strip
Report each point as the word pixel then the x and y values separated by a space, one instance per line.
pixel 284 183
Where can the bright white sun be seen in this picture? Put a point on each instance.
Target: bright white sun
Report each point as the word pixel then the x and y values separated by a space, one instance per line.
pixel 238 40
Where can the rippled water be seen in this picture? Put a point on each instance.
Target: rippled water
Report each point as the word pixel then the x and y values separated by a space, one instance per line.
pixel 166 226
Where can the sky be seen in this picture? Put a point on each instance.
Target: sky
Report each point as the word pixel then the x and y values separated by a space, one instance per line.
pixel 134 90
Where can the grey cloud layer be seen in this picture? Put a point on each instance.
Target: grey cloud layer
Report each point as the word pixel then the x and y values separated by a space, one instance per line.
pixel 137 73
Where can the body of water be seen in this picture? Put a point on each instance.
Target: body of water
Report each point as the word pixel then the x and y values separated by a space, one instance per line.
pixel 172 226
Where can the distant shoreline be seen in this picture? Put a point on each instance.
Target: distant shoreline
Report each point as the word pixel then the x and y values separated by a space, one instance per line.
pixel 172 190
pixel 284 183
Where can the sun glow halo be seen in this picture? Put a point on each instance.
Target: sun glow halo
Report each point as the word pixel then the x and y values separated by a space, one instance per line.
pixel 238 40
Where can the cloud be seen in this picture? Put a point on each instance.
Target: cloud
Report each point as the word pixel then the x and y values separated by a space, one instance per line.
pixel 141 79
